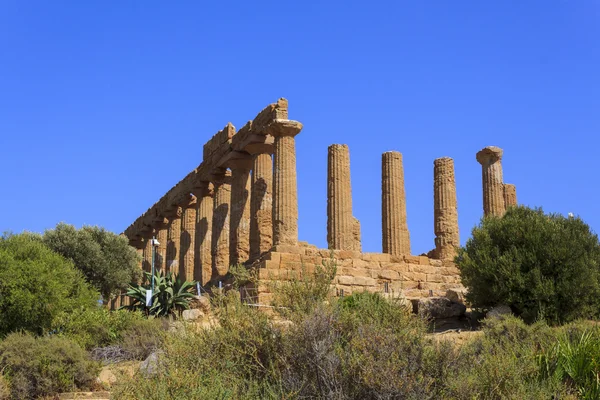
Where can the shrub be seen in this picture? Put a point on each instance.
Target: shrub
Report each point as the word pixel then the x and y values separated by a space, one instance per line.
pixel 142 337
pixel 44 366
pixel 37 285
pixel 171 294
pixel 541 265
pixel 105 258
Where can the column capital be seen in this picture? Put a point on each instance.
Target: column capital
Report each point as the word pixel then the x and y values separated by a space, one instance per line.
pixel 208 189
pixel 284 127
pixel 236 160
pixel 489 155
pixel 174 213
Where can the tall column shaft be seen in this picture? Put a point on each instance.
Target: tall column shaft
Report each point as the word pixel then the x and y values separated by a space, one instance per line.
pixel 261 205
pixel 220 227
pixel 492 181
pixel 203 248
pixel 188 237
pixel 160 260
pixel 510 195
pixel 173 241
pixel 396 238
pixel 340 222
pixel 239 231
pixel 147 255
pixel 445 208
pixel 285 190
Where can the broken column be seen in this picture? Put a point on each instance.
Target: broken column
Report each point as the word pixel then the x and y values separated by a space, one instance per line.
pixel 239 227
pixel 261 200
pixel 188 237
pixel 203 240
pixel 510 195
pixel 343 230
pixel 445 209
pixel 285 190
pixel 493 187
pixel 173 239
pixel 396 238
pixel 220 224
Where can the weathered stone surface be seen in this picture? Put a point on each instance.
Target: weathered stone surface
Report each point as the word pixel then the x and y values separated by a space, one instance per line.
pixel 192 314
pixel 285 190
pixel 151 365
pixel 445 209
pixel 173 240
pixel 203 241
pixel 343 230
pixel 261 204
pixel 498 311
pixel 187 242
pixel 456 295
pixel 396 238
pixel 510 195
pixel 160 260
pixel 493 186
pixel 147 255
pixel 239 230
pixel 440 307
pixel 220 225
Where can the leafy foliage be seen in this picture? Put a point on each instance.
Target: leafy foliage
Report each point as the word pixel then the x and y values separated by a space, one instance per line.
pixel 171 294
pixel 541 265
pixel 105 258
pixel 37 285
pixel 44 366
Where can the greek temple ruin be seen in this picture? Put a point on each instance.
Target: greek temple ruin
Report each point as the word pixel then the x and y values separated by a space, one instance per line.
pixel 240 206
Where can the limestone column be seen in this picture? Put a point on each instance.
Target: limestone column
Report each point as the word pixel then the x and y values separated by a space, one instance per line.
pixel 493 186
pixel 188 237
pixel 202 243
pixel 147 255
pixel 285 190
pixel 445 209
pixel 220 225
pixel 161 233
pixel 173 240
pixel 239 228
pixel 341 225
pixel 510 195
pixel 396 238
pixel 261 201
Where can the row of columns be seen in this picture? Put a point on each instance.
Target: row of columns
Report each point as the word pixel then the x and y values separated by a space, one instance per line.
pixel 343 230
pixel 249 206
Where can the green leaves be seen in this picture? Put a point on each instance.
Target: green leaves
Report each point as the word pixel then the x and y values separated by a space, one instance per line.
pixel 171 295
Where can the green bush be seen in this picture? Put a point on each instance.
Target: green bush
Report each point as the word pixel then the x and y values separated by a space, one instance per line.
pixel 544 266
pixel 44 366
pixel 37 285
pixel 143 336
pixel 105 258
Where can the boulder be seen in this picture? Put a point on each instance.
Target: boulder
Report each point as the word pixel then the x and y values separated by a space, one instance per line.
pixel 192 314
pixel 498 311
pixel 200 303
pixel 456 295
pixel 440 307
pixel 150 366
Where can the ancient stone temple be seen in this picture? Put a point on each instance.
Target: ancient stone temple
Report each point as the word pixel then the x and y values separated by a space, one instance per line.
pixel 240 206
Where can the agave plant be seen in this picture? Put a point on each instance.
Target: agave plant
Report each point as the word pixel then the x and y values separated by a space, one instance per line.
pixel 171 294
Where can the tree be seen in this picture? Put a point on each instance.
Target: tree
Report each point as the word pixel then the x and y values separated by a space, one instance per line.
pixel 541 265
pixel 106 259
pixel 37 285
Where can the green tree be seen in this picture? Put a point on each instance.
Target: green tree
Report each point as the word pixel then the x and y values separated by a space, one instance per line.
pixel 106 259
pixel 541 265
pixel 37 285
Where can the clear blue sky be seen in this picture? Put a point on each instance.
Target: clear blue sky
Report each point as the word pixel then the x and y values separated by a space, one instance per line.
pixel 105 105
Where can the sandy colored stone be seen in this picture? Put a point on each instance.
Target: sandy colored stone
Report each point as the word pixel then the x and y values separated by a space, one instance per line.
pixel 147 255
pixel 261 204
pixel 445 209
pixel 220 226
pixel 510 195
pixel 285 190
pixel 239 228
pixel 188 238
pixel 395 235
pixel 173 240
pixel 493 186
pixel 203 232
pixel 343 230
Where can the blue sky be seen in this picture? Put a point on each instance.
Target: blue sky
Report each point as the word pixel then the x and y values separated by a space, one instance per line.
pixel 105 105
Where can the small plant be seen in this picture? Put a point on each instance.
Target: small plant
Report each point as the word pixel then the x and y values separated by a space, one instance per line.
pixel 171 295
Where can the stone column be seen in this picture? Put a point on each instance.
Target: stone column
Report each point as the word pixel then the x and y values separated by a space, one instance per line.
pixel 510 195
pixel 493 186
pixel 445 209
pixel 342 227
pixel 239 228
pixel 147 255
pixel 161 232
pixel 202 243
pixel 261 200
pixel 173 240
pixel 285 190
pixel 188 237
pixel 220 225
pixel 396 238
